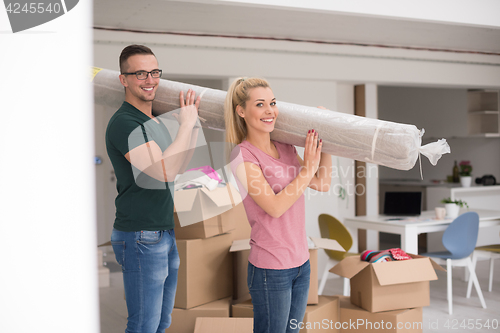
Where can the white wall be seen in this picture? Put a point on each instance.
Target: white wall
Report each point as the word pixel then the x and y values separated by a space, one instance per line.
pixel 47 215
pixel 477 12
pixel 443 114
pixel 226 57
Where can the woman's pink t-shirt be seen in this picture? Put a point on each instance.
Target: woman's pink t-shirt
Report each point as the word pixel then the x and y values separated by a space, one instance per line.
pixel 276 243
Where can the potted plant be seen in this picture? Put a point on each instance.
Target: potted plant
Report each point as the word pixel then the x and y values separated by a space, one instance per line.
pixel 453 206
pixel 465 173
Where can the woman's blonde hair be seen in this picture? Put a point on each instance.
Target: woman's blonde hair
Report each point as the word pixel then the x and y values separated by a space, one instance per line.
pixel 238 94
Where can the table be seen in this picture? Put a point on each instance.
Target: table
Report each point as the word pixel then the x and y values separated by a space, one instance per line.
pixel 410 227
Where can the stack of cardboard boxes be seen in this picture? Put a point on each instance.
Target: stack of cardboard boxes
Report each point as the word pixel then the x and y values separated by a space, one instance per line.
pixel 205 278
pixel 211 277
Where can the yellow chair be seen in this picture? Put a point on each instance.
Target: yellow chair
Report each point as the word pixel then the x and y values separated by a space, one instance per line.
pixel 332 228
pixel 490 252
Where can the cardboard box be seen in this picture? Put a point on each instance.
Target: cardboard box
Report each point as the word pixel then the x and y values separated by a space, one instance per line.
pixel 213 226
pixel 242 227
pixel 312 298
pixel 200 204
pixel 241 250
pixel 183 321
pixel 223 325
pixel 322 316
pixel 355 319
pixel 240 270
pixel 242 310
pixel 205 271
pixel 318 318
pixel 390 285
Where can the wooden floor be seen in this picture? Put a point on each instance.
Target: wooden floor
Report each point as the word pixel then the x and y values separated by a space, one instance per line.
pixel 436 319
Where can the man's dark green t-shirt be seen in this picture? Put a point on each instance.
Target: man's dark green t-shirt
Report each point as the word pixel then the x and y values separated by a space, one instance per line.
pixel 143 203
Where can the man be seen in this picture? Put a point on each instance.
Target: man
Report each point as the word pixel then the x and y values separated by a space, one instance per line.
pixel 146 161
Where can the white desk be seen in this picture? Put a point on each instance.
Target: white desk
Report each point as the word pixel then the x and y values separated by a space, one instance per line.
pixel 410 228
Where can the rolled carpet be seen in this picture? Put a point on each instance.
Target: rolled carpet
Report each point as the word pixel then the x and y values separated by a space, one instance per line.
pixel 370 140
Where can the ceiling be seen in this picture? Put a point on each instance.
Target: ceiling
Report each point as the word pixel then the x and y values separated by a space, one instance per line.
pixel 242 20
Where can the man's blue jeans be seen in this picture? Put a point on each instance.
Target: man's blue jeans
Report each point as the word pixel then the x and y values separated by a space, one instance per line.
pixel 150 262
pixel 278 296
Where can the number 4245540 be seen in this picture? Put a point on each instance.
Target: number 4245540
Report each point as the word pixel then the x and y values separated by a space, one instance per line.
pixel 471 324
pixel 34 7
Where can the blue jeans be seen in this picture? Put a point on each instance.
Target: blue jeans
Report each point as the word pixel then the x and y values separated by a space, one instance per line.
pixel 278 296
pixel 150 262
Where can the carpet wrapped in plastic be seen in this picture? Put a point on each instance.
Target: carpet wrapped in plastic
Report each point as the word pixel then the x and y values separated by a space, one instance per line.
pixel 394 145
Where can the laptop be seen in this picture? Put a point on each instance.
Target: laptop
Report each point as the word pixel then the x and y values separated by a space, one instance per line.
pixel 403 203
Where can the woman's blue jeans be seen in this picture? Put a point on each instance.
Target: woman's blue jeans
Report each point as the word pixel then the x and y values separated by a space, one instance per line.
pixel 278 297
pixel 150 262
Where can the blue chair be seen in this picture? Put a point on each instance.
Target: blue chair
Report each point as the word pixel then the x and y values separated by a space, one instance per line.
pixel 459 239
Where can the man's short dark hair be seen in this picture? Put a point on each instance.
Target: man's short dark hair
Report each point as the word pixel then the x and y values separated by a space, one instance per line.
pixel 130 51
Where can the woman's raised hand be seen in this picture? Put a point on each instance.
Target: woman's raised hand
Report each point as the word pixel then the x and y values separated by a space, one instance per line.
pixel 312 152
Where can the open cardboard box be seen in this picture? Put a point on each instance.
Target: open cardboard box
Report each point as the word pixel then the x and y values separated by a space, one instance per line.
pixel 390 285
pixel 223 325
pixel 200 204
pixel 213 226
pixel 241 250
pixel 355 319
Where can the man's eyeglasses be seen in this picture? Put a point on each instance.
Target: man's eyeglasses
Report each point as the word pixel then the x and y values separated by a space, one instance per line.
pixel 143 75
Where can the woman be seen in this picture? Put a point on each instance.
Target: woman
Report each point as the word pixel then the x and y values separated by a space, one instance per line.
pixel 272 179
